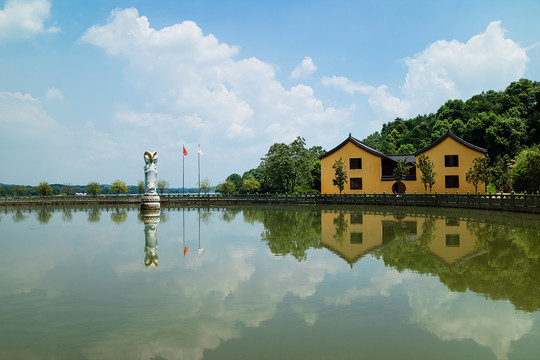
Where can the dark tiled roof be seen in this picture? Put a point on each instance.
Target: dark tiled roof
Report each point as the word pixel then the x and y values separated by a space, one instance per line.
pixel 399 157
pixel 357 143
pixel 449 134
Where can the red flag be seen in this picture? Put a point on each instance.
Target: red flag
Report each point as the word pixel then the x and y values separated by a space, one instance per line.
pixel 185 250
pixel 185 151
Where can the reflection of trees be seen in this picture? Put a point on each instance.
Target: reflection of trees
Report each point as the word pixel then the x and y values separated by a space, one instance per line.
pixel 341 227
pixel 509 269
pixel 44 215
pixel 19 216
pixel 94 214
pixel 205 215
pixel 119 216
pixel 428 230
pixel 67 216
pixel 289 231
pixel 229 214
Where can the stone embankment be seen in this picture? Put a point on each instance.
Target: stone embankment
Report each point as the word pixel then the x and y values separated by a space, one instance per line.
pixel 504 202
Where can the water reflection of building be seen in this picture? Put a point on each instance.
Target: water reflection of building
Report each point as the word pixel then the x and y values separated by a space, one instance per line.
pixel 351 235
pixel 150 219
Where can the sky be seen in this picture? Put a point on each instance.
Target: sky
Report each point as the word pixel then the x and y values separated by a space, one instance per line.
pixel 87 86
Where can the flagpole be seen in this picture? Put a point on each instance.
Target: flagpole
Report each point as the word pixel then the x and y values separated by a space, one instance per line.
pixel 199 165
pixel 183 156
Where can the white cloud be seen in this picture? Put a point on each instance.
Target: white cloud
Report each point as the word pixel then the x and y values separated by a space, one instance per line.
pixel 446 70
pixel 304 69
pixel 452 69
pixel 387 106
pixel 185 75
pixel 54 94
pixel 347 85
pixel 24 19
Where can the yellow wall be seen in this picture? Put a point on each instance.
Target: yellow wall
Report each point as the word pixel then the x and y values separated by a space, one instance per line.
pixel 371 170
pixel 449 146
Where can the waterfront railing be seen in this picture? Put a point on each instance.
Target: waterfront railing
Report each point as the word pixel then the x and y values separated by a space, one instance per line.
pixel 501 201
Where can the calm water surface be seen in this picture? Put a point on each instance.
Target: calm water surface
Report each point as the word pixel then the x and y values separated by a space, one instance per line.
pixel 269 283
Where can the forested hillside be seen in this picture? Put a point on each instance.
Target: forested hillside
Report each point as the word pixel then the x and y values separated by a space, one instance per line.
pixel 503 122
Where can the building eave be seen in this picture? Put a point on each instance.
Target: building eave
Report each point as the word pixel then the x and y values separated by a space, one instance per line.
pixel 356 142
pixel 458 139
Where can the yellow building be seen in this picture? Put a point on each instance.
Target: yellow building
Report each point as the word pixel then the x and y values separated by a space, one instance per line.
pixel 370 171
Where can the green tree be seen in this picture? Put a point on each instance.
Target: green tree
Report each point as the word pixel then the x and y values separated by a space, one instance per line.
pixel 44 189
pixel 93 188
pixel 251 186
pixel 226 187
pixel 1 190
pixel 19 190
pixel 402 168
pixel 480 172
pixel 67 189
pixel 237 181
pixel 472 177
pixel 502 177
pixel 118 186
pixel 140 187
pixel 162 186
pixel 205 186
pixel 340 174
pixel 526 171
pixel 426 166
pixel 288 166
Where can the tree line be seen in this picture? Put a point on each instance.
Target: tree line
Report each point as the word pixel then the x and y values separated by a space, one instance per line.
pixel 92 188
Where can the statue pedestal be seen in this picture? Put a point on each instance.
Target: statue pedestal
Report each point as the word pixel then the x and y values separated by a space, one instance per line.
pixel 150 202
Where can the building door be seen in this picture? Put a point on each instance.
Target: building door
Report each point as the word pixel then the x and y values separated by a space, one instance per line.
pixel 398 188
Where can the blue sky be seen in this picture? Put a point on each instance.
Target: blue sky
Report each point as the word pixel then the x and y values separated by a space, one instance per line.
pixel 87 86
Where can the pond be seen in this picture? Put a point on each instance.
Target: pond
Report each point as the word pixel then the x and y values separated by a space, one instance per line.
pixel 269 282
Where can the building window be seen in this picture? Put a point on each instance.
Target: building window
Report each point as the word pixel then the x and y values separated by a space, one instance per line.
pixel 357 218
pixel 452 221
pixel 355 163
pixel 451 160
pixel 451 181
pixel 452 240
pixel 357 238
pixel 356 183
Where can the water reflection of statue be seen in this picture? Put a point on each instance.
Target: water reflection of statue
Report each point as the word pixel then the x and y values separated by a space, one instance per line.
pixel 150 172
pixel 151 220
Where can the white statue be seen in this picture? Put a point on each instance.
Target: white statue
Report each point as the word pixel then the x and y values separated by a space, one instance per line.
pixel 150 172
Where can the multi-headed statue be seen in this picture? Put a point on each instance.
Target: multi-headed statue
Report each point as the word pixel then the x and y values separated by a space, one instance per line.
pixel 150 172
pixel 150 199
